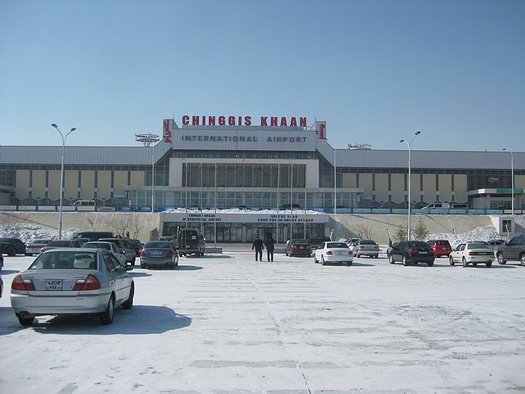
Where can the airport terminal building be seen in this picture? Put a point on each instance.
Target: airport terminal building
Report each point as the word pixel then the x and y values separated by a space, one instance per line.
pixel 282 170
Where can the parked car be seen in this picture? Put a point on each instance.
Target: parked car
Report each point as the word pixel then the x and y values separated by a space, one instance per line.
pixel 121 257
pixel 512 250
pixel 458 205
pixel 366 247
pixel 159 254
pixel 298 247
pixel 63 243
pixel 12 246
pixel 124 247
pixel 410 253
pixel 190 241
pixel 472 253
pixel 72 281
pixel 496 243
pixel 440 247
pixel 317 242
pixel 137 245
pixel 35 246
pixel 333 252
pixel 437 205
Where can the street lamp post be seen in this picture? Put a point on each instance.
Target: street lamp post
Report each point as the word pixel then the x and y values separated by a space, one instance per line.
pixel 512 178
pixel 64 138
pixel 335 184
pixel 409 145
pixel 149 140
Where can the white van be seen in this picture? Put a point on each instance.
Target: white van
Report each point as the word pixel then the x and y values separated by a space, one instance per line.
pixel 438 205
pixel 85 205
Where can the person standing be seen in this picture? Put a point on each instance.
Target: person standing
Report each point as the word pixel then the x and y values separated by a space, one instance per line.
pixel 270 246
pixel 258 246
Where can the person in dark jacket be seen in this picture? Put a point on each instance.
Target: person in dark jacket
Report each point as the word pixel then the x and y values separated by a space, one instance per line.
pixel 269 242
pixel 258 246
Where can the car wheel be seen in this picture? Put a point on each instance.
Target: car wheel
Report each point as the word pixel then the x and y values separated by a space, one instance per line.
pixel 377 256
pixel 322 260
pixel 475 264
pixel 500 258
pixel 391 259
pixel 522 259
pixel 488 264
pixel 107 316
pixel 315 260
pixel 11 252
pixel 129 303
pixel 142 265
pixel 464 261
pixel 26 320
pixel 349 263
pixel 430 263
pixel 451 260
pixel 405 261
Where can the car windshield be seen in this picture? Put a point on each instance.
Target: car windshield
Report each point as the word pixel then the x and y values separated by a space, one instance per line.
pixel 65 260
pixel 367 242
pixel 417 244
pixel 157 245
pixel 59 243
pixel 300 241
pixel 334 245
pixel 98 245
pixel 478 245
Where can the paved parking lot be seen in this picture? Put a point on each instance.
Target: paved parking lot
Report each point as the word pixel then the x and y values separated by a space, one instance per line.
pixel 226 324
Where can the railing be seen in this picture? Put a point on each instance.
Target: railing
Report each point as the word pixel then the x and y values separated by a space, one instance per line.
pixel 358 211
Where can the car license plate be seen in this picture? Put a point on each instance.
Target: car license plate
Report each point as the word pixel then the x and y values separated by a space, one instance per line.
pixel 156 253
pixel 53 285
pixel 423 252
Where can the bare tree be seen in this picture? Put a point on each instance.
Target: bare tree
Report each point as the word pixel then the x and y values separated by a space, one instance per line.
pixel 364 230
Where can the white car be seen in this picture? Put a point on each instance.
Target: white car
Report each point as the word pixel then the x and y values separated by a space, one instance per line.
pixel 121 257
pixel 333 252
pixel 72 281
pixel 366 247
pixel 35 246
pixel 472 253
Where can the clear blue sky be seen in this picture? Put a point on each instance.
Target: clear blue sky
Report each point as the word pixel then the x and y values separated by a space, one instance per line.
pixel 375 70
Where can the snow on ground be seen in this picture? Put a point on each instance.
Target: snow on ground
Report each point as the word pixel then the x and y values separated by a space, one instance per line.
pixel 225 324
pixel 28 232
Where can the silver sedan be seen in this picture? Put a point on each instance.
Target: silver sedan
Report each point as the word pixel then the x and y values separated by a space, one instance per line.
pixel 158 254
pixel 72 281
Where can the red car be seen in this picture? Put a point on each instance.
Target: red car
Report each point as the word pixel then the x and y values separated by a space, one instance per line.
pixel 440 247
pixel 298 247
